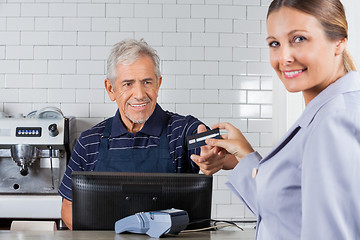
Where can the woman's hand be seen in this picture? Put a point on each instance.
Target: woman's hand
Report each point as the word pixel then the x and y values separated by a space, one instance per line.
pixel 211 159
pixel 234 142
pixel 222 154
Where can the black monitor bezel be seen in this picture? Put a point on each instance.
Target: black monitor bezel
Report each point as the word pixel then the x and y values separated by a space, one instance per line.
pixel 96 197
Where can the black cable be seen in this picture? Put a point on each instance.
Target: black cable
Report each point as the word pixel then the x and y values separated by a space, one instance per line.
pixel 215 222
pixel 229 222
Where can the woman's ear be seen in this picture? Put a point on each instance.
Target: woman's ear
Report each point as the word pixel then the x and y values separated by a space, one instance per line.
pixel 110 89
pixel 340 46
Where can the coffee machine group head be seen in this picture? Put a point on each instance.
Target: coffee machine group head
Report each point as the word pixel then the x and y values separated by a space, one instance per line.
pixel 24 155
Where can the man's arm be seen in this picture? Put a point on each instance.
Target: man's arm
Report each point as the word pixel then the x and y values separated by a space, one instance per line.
pixel 66 213
pixel 78 156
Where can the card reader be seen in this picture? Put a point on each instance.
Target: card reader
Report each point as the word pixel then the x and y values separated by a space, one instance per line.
pixel 154 224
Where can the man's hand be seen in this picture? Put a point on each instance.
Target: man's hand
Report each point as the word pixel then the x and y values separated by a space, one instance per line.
pixel 66 213
pixel 212 158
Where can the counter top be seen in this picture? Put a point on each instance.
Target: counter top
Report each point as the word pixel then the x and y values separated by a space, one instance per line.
pixel 247 234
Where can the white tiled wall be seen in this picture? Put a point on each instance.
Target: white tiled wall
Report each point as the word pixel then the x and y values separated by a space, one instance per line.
pixel 214 63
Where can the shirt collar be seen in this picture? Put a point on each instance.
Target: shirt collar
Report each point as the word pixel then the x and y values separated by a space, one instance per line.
pixel 350 82
pixel 153 126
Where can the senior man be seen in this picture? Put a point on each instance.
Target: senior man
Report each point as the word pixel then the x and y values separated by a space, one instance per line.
pixel 141 137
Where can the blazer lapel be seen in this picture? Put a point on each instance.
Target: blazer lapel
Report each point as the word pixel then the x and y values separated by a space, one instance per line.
pixel 282 143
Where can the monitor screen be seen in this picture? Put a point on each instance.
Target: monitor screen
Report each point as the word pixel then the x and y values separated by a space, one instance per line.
pixel 102 198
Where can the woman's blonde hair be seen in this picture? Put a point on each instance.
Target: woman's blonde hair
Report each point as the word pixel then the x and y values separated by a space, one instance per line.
pixel 331 15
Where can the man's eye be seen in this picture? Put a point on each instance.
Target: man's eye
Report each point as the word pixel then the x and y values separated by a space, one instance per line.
pixel 127 84
pixel 148 82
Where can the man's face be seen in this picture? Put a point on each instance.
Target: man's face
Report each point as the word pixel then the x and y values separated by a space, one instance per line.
pixel 135 92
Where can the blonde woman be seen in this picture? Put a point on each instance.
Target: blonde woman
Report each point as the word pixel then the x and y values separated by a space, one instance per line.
pixel 308 186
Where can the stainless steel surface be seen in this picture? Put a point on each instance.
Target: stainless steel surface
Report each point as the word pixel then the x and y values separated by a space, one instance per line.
pixel 247 234
pixel 41 153
pixel 37 181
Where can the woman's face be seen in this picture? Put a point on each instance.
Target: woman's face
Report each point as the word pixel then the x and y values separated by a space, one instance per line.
pixel 301 54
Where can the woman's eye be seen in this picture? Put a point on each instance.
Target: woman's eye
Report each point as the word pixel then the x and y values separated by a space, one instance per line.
pixel 274 44
pixel 299 39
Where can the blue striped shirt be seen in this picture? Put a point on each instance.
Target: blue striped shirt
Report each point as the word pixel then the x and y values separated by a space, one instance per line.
pixel 86 150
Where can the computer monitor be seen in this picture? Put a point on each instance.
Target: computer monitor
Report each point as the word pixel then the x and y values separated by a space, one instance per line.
pixel 102 198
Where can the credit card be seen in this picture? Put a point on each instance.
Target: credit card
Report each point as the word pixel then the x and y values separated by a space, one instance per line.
pixel 198 140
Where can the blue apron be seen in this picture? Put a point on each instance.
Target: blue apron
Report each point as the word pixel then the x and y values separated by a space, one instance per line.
pixel 153 159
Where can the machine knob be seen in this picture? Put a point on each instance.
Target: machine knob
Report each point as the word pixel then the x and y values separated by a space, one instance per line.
pixel 53 130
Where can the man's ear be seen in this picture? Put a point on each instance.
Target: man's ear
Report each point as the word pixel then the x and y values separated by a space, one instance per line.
pixel 159 82
pixel 340 46
pixel 110 89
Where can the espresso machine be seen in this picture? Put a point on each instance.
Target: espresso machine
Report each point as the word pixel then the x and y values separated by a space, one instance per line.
pixel 34 152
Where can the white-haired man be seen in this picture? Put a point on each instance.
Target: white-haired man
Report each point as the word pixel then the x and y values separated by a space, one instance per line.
pixel 141 137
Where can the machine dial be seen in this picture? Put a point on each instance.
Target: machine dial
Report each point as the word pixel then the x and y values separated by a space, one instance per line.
pixel 53 130
pixel 49 113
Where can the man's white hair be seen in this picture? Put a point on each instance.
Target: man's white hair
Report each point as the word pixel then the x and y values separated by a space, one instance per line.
pixel 128 51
